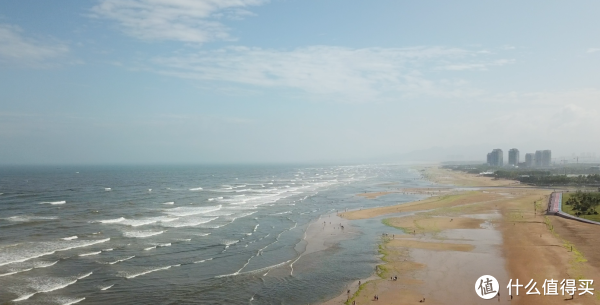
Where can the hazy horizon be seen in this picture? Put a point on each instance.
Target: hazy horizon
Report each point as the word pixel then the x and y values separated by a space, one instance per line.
pixel 259 81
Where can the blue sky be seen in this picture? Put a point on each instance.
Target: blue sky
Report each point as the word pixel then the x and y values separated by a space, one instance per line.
pixel 235 81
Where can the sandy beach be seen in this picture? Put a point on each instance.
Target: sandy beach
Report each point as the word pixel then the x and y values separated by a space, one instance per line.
pixel 439 246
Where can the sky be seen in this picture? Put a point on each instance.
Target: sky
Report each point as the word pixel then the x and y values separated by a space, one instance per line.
pixel 288 81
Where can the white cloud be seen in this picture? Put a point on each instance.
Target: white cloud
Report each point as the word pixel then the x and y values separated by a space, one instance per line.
pixel 481 66
pixel 593 50
pixel 16 49
pixel 326 72
pixel 195 21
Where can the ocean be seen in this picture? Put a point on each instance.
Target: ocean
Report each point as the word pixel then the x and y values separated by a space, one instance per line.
pixel 184 234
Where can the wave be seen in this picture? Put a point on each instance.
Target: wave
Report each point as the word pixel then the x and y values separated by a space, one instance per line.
pixel 149 248
pixel 228 243
pixel 36 265
pixel 69 301
pixel 45 285
pixel 85 275
pixel 138 222
pixel 188 211
pixel 112 220
pixel 24 253
pixel 216 198
pixel 232 219
pixel 205 226
pixel 69 238
pixel 170 203
pixel 53 202
pixel 144 221
pixel 164 245
pixel 282 213
pixel 255 271
pixel 108 189
pixel 148 271
pixel 107 287
pixel 26 218
pixel 106 250
pixel 204 260
pixel 189 222
pixel 196 189
pixel 141 234
pixel 121 260
pixel 91 253
pixel 15 272
pixel 202 234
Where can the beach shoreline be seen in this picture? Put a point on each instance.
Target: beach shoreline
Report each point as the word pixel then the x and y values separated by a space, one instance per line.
pixel 450 239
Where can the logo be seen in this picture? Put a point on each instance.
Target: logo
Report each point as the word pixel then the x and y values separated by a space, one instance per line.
pixel 487 287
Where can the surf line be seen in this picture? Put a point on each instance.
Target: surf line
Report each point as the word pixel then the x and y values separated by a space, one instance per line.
pixel 299 256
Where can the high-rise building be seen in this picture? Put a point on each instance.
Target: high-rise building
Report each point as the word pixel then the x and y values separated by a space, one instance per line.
pixel 546 158
pixel 529 159
pixel 513 157
pixel 495 158
pixel 538 158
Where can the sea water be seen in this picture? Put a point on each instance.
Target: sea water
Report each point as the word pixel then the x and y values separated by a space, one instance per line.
pixel 183 234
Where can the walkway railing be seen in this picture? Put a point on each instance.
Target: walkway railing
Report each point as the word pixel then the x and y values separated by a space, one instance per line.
pixel 555 207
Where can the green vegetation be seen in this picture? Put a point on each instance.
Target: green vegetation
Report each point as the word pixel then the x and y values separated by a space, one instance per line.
pixel 556 176
pixel 581 204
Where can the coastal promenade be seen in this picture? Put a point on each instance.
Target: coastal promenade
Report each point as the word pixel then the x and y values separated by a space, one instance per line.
pixel 555 208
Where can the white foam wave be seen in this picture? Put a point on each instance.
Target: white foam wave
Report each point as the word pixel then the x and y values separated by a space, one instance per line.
pixel 255 271
pixel 108 189
pixel 85 275
pixel 141 234
pixel 68 301
pixel 15 272
pixel 53 202
pixel 146 272
pixel 106 250
pixel 37 265
pixel 112 220
pixel 145 221
pixel 164 245
pixel 27 251
pixel 196 189
pixel 91 253
pixel 189 222
pixel 228 243
pixel 69 238
pixel 169 203
pixel 44 285
pixel 121 260
pixel 149 248
pixel 255 227
pixel 107 287
pixel 188 211
pixel 26 218
pixel 204 260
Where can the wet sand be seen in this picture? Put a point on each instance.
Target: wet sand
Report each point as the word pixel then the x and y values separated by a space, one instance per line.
pixel 319 235
pixel 442 244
